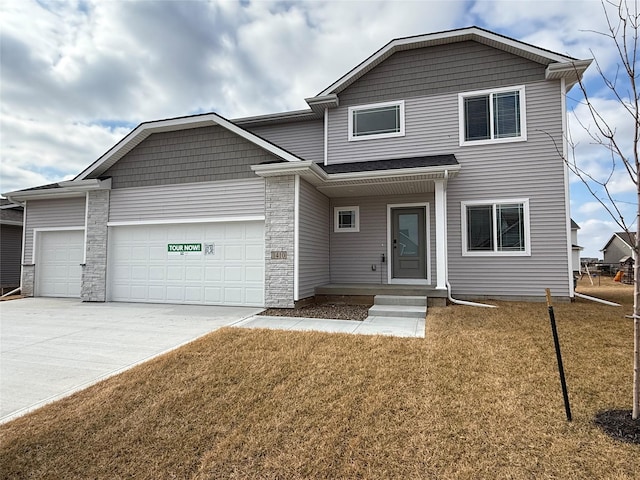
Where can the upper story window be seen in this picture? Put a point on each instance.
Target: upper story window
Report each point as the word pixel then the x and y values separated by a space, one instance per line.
pixel 492 116
pixel 496 228
pixel 380 120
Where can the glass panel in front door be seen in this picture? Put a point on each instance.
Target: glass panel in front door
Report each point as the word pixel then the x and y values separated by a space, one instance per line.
pixel 408 236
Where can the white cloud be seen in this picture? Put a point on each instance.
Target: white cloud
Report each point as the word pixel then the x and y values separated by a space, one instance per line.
pixel 76 75
pixel 593 235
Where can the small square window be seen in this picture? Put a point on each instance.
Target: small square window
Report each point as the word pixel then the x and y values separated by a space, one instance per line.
pixel 346 219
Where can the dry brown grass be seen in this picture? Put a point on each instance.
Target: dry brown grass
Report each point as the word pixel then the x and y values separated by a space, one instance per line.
pixel 478 398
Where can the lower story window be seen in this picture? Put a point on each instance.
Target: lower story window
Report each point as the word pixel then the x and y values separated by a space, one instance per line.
pixel 346 219
pixel 496 228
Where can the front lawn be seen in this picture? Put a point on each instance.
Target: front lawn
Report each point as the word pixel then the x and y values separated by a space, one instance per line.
pixel 479 397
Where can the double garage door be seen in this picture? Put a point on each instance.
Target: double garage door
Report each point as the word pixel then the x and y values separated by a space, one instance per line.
pixel 201 263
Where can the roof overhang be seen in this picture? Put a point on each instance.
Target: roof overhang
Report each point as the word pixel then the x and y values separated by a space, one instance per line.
pixel 70 188
pixel 571 71
pixel 319 103
pixel 364 183
pixel 142 131
pixel 501 42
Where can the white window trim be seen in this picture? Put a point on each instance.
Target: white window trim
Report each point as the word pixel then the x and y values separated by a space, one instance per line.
pixel 523 116
pixel 336 212
pixel 495 253
pixel 427 224
pixel 353 138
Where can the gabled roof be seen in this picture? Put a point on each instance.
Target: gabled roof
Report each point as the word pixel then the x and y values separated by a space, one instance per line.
pixel 142 131
pixel 558 65
pixel 574 225
pixel 629 239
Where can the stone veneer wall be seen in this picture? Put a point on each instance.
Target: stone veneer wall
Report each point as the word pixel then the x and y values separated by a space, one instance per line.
pixel 28 279
pixel 279 237
pixel 94 271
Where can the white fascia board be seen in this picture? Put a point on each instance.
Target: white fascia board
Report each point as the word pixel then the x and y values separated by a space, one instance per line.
pixel 320 103
pixel 43 194
pixel 143 130
pixel 312 173
pixel 87 185
pixel 278 169
pixel 451 36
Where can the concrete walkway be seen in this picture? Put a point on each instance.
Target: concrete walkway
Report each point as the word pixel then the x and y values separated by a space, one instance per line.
pixel 397 327
pixel 52 347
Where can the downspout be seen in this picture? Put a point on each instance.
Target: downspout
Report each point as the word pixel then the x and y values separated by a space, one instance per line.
pixel 594 299
pixel 446 263
pixel 326 136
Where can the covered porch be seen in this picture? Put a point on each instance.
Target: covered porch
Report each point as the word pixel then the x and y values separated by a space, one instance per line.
pixel 364 228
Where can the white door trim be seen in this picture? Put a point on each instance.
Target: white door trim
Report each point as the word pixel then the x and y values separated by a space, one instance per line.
pixel 427 239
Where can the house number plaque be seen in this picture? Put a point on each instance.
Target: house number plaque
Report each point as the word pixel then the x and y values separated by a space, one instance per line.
pixel 278 255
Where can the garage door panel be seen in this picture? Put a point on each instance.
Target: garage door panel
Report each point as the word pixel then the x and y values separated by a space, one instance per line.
pixel 233 252
pixel 254 252
pixel 233 295
pixel 223 275
pixel 213 274
pixel 59 255
pixel 254 274
pixel 213 295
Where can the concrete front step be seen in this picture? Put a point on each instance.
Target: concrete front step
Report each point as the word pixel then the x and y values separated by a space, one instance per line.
pixel 407 300
pixel 404 311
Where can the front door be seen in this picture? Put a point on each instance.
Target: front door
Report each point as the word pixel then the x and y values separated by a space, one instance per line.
pixel 408 243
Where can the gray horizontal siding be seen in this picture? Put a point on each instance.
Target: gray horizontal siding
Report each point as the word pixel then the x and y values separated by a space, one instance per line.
pixel 615 251
pixel 533 170
pixel 230 198
pixel 431 128
pixel 52 213
pixel 202 154
pixel 441 69
pixel 303 139
pixel 353 253
pixel 313 251
pixel 10 255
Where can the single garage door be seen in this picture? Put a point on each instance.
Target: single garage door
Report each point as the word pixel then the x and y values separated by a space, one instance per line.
pixel 58 270
pixel 198 263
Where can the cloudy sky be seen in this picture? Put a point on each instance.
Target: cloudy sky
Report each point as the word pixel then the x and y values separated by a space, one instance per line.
pixel 76 76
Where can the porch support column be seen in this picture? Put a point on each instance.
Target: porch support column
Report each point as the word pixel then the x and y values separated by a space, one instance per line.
pixel 441 228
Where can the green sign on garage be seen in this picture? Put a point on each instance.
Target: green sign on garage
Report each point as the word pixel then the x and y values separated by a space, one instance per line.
pixel 184 248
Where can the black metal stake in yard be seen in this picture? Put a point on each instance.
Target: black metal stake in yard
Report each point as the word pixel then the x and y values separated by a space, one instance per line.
pixel 563 382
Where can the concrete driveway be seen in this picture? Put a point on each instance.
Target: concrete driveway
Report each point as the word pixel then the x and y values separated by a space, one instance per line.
pixel 51 347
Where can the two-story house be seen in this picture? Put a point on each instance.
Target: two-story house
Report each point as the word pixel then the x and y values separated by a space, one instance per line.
pixel 432 165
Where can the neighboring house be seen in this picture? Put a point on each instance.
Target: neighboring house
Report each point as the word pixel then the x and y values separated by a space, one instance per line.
pixel 432 163
pixel 11 216
pixel 575 248
pixel 619 247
